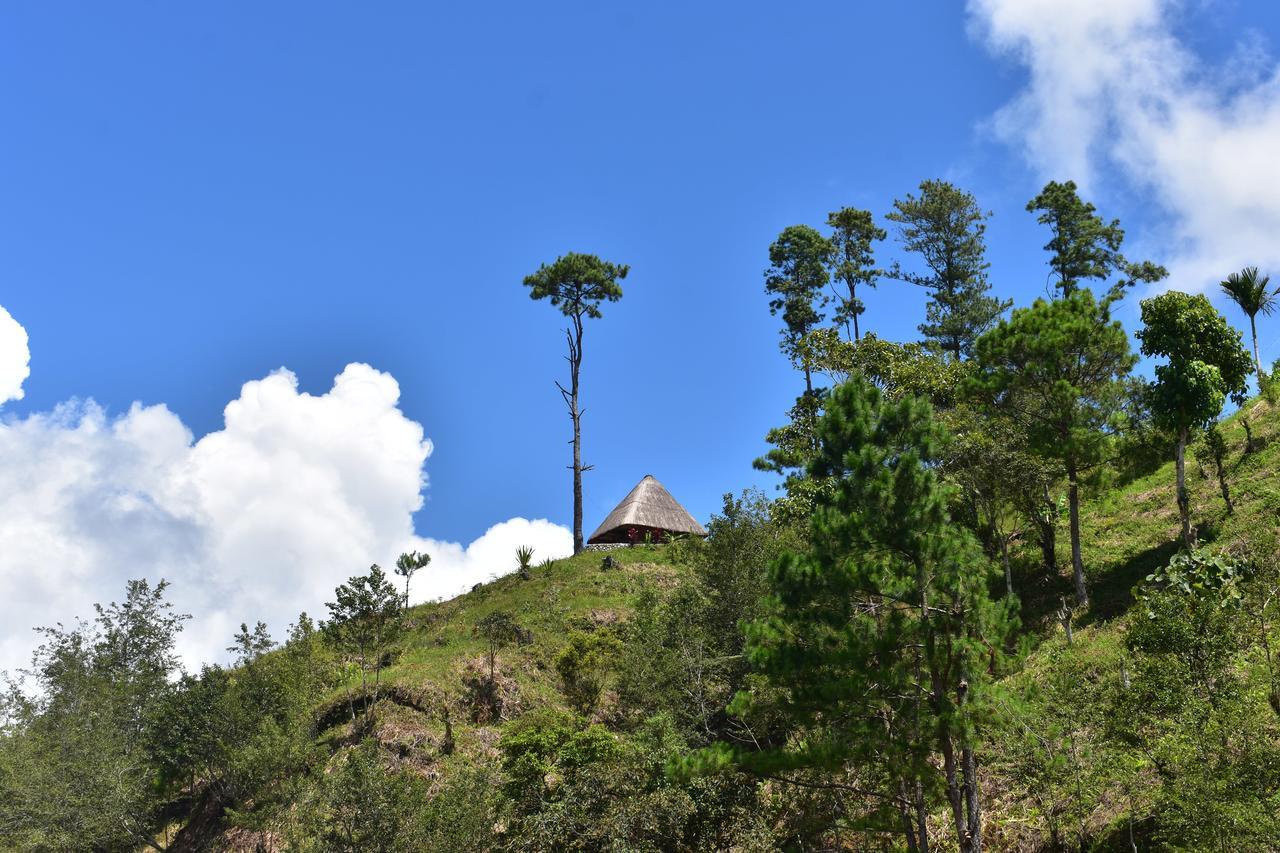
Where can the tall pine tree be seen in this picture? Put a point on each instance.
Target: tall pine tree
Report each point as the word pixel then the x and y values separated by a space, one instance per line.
pixel 884 635
pixel 852 261
pixel 795 281
pixel 946 228
pixel 1055 368
pixel 1085 247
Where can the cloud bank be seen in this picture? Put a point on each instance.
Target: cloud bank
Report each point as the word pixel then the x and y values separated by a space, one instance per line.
pixel 1111 87
pixel 259 520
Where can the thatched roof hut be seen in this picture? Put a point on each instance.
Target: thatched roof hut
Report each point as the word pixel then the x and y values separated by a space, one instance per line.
pixel 648 508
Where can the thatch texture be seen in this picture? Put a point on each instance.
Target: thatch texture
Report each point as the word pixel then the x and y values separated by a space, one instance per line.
pixel 647 508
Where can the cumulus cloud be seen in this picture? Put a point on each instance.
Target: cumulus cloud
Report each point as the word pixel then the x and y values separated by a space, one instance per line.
pixel 258 520
pixel 1111 87
pixel 15 358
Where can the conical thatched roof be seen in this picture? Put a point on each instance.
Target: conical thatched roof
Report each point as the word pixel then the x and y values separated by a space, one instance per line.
pixel 648 506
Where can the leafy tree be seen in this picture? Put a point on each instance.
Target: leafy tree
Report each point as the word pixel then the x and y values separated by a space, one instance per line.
pixel 794 446
pixel 898 369
pixel 1215 447
pixel 883 635
pixel 584 665
pixel 578 285
pixel 1191 714
pixel 1252 292
pixel 683 652
pixel 363 622
pixel 586 788
pixel 1054 368
pixel 360 805
pixel 1205 364
pixel 1084 246
pixel 1001 479
pixel 795 281
pixel 408 565
pixel 852 260
pixel 82 776
pixel 499 629
pixel 945 226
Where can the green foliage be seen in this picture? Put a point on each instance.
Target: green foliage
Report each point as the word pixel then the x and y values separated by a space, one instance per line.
pixel 360 806
pixel 882 634
pixel 1205 361
pixel 408 565
pixel 1199 577
pixel 1251 291
pixel 946 228
pixel 795 282
pixel 1193 715
pixel 524 561
pixel 577 284
pixel 1055 369
pixel 1205 364
pixel 499 629
pixel 584 788
pixel 77 772
pixel 853 260
pixel 363 622
pixel 584 665
pixel 1083 245
pixel 683 653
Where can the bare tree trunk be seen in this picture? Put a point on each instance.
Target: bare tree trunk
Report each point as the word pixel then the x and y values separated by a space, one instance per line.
pixel 1257 361
pixel 1004 557
pixel 922 817
pixel 955 790
pixel 1077 562
pixel 853 301
pixel 1184 499
pixel 1222 484
pixel 570 395
pixel 904 812
pixel 1046 534
pixel 973 806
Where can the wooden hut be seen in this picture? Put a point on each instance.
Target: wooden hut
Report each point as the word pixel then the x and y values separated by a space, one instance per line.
pixel 647 509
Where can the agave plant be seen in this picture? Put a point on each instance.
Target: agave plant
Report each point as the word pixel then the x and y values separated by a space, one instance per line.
pixel 524 561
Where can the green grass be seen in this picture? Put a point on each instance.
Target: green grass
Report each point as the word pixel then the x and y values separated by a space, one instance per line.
pixel 1129 531
pixel 440 640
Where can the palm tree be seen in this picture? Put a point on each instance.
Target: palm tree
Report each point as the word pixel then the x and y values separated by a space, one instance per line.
pixel 1250 291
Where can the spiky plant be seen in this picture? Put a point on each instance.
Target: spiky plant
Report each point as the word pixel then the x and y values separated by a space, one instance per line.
pixel 1252 292
pixel 524 561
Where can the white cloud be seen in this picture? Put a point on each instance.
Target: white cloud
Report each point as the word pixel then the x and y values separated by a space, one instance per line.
pixel 15 358
pixel 1112 87
pixel 454 568
pixel 259 520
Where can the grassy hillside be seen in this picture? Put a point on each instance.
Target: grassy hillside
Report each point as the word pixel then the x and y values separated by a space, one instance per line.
pixel 430 724
pixel 1100 742
pixel 1130 531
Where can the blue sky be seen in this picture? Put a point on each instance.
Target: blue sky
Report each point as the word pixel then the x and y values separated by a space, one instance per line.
pixel 193 196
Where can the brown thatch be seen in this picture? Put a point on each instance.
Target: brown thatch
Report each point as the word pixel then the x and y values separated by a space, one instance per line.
pixel 647 508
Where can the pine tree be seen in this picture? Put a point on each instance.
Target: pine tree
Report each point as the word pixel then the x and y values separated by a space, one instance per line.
pixel 577 284
pixel 884 635
pixel 947 229
pixel 1084 246
pixel 852 261
pixel 1055 368
pixel 795 281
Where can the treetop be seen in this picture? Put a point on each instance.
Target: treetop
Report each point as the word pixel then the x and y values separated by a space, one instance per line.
pixel 578 283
